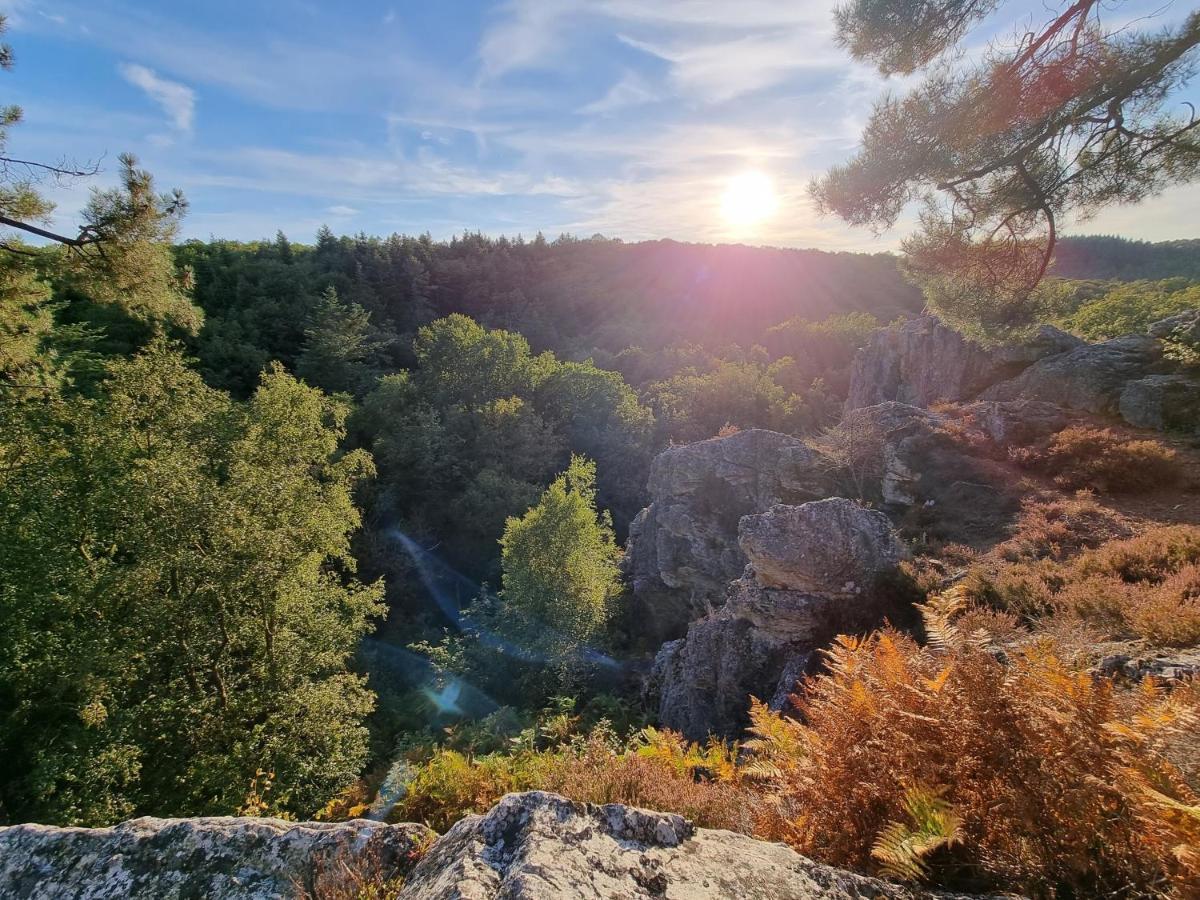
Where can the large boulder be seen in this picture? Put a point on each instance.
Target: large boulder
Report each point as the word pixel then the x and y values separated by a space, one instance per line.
pixel 682 550
pixel 1017 423
pixel 1089 378
pixel 539 846
pixel 1162 402
pixel 912 459
pixel 173 859
pixel 922 362
pixel 815 570
pixel 833 547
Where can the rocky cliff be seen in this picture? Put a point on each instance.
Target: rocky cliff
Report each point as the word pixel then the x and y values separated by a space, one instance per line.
pixel 922 362
pixel 815 570
pixel 682 550
pixel 533 846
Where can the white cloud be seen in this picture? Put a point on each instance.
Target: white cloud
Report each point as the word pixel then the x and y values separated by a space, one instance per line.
pixel 342 211
pixel 177 100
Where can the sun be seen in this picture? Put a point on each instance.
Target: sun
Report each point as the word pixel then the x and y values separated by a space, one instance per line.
pixel 749 199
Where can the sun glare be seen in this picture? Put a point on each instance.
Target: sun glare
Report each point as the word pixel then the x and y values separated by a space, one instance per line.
pixel 749 198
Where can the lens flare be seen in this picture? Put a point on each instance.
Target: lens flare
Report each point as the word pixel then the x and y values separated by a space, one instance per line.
pixel 749 199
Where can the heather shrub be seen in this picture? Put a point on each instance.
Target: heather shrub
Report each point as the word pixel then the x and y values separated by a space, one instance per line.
pixel 659 770
pixel 1150 556
pixel 1169 613
pixel 450 785
pixel 944 764
pixel 1022 589
pixel 1103 460
pixel 1058 528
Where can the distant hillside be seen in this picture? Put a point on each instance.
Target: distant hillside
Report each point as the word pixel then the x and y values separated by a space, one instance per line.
pixel 1110 257
pixel 568 293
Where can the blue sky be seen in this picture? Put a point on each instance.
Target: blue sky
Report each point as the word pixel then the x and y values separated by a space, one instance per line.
pixel 625 117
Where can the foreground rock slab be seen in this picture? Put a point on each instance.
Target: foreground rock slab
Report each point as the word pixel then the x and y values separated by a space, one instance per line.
pixel 173 859
pixel 532 846
pixel 539 846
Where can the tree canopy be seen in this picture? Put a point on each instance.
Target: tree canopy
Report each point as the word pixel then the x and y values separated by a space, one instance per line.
pixel 998 148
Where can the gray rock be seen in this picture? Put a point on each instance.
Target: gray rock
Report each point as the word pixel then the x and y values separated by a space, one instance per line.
pixel 1162 402
pixel 1089 378
pixel 1017 423
pixel 682 550
pixel 538 846
pixel 1184 326
pixel 834 547
pixel 165 859
pixel 815 571
pixel 703 682
pixel 922 362
pixel 532 846
pixel 1137 663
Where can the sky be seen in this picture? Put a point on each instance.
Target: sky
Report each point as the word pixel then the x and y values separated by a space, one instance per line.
pixel 629 118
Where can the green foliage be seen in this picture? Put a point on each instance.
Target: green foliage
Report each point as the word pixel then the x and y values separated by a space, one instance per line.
pixel 474 433
pixel 135 274
pixel 693 406
pixel 176 610
pixel 560 570
pixel 28 364
pixel 338 347
pixel 902 847
pixel 1131 308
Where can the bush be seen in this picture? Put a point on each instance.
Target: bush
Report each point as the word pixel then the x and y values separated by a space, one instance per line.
pixel 656 770
pixel 947 765
pixel 1150 556
pixel 1104 460
pixel 1056 529
pixel 1130 308
pixel 1147 586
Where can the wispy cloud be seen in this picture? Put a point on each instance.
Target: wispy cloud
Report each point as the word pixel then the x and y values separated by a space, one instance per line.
pixel 341 211
pixel 177 100
pixel 631 90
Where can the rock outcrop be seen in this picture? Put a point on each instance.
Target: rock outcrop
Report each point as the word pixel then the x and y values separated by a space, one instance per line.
pixel 172 859
pixel 533 846
pixel 815 571
pixel 918 463
pixel 1183 328
pixel 1089 378
pixel 682 550
pixel 1162 402
pixel 538 846
pixel 922 362
pixel 832 547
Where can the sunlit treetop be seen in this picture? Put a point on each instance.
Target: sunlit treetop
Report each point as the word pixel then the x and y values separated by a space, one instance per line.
pixel 999 147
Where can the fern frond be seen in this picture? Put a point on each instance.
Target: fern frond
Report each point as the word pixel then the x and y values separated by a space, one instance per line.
pixel 938 614
pixel 902 847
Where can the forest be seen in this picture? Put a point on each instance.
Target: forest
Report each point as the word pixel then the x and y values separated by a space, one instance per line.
pixel 317 530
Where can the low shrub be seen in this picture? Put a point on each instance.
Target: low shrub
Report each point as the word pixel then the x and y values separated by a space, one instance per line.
pixel 1169 613
pixel 1102 459
pixel 1146 586
pixel 1058 528
pixel 656 769
pixel 1150 556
